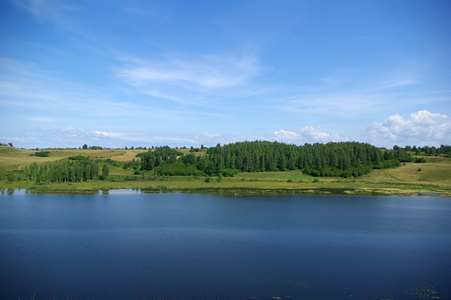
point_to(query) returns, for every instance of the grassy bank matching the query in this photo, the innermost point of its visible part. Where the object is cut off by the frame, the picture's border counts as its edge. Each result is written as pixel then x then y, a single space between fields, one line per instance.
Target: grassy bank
pixel 432 177
pixel 245 183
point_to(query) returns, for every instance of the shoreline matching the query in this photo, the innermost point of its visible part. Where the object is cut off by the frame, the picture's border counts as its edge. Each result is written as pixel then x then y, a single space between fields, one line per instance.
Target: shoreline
pixel 239 190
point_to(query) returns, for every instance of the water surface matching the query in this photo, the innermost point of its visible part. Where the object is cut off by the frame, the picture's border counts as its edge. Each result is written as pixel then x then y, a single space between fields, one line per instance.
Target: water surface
pixel 131 245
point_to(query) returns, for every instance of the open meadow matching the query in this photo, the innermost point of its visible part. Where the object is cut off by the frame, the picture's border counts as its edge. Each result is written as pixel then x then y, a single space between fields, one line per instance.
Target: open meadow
pixel 433 176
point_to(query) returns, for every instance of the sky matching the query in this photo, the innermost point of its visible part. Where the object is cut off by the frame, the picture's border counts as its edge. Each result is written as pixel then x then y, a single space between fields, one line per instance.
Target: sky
pixel 190 72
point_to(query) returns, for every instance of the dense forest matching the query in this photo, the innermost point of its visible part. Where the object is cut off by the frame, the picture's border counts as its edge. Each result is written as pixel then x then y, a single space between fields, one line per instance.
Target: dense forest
pixel 343 159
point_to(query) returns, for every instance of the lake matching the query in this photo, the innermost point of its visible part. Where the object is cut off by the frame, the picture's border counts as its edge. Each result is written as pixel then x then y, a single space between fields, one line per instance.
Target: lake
pixel 133 245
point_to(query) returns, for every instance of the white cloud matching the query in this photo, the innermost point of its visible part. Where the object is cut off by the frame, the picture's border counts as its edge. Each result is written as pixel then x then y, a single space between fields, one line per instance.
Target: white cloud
pixel 285 136
pixel 422 128
pixel 211 135
pixel 80 135
pixel 76 137
pixel 9 139
pixel 103 133
pixel 308 134
pixel 314 134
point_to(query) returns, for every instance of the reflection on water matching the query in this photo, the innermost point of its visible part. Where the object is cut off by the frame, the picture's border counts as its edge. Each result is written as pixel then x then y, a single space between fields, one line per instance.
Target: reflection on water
pixel 132 245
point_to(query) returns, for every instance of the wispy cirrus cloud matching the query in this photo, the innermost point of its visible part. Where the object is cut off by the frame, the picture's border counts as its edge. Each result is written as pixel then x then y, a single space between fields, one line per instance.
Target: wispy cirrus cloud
pixel 186 79
pixel 332 107
pixel 39 95
pixel 42 9
pixel 399 77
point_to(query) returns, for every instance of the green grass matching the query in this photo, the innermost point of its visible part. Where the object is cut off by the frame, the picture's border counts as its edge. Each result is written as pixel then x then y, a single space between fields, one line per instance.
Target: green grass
pixel 275 176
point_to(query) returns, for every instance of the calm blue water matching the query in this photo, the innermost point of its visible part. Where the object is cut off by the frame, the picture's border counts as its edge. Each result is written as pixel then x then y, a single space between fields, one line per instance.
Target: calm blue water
pixel 130 245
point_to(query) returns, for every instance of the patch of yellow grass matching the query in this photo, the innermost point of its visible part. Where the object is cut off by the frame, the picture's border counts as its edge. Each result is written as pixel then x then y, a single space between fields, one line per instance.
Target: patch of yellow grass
pixel 437 171
pixel 15 159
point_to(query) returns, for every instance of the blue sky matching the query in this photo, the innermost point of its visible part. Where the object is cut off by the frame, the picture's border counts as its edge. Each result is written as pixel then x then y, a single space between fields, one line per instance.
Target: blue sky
pixel 182 73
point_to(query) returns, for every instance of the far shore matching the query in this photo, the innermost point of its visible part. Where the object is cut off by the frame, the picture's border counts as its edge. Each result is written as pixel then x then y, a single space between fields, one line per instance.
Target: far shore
pixel 430 177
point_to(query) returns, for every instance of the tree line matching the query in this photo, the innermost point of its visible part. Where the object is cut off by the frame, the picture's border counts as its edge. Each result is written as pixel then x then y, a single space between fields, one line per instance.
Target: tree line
pixel 427 150
pixel 343 159
pixel 76 170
